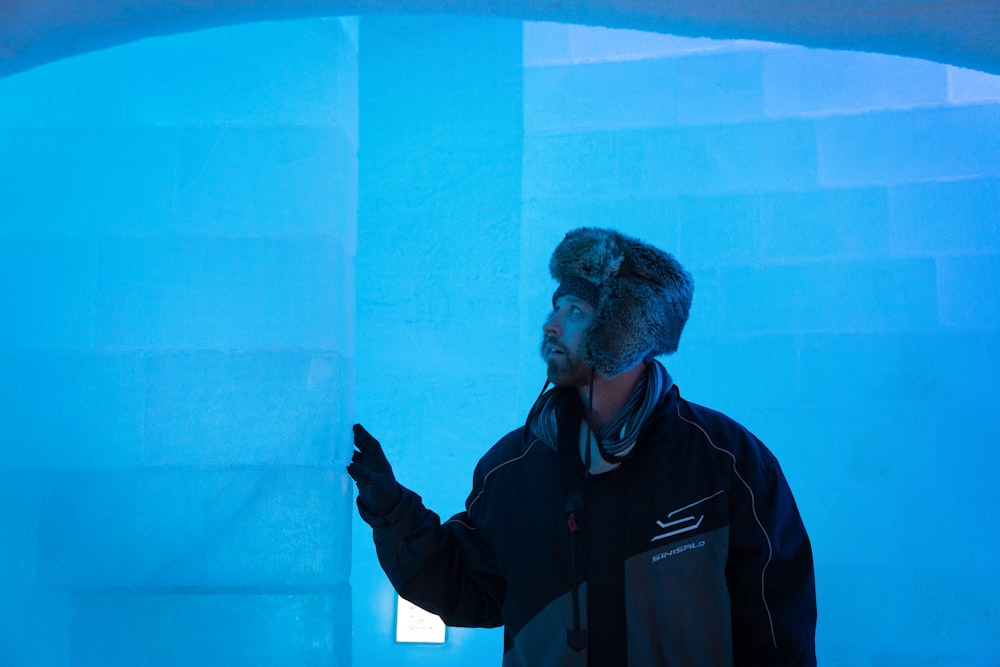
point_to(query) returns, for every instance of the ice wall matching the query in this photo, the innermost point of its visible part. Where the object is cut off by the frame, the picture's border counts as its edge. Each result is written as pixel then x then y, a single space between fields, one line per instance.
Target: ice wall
pixel 177 230
pixel 439 242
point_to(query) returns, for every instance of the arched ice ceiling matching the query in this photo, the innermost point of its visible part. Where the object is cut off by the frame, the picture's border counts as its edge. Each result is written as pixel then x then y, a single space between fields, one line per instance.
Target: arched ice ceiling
pixel 958 32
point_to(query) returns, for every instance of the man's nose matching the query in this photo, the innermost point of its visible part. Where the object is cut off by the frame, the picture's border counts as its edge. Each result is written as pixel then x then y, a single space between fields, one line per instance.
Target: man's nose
pixel 553 325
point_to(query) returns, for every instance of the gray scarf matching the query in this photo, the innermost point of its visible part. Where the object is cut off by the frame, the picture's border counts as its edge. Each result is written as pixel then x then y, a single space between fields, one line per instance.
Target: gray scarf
pixel 613 443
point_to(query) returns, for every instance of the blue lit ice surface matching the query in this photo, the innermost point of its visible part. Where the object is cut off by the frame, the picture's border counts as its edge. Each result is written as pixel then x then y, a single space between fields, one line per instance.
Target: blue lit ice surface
pixel 199 301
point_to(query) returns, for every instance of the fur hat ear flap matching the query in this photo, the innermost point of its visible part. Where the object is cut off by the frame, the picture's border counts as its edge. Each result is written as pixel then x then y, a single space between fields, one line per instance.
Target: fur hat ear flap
pixel 644 296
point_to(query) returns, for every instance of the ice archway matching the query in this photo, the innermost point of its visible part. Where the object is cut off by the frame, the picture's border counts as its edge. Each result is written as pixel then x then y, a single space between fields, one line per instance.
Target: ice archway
pixel 959 33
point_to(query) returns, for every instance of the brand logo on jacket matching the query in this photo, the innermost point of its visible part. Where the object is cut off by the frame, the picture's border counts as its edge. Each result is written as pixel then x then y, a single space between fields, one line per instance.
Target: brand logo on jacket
pixel 678 550
pixel 679 526
pixel 685 524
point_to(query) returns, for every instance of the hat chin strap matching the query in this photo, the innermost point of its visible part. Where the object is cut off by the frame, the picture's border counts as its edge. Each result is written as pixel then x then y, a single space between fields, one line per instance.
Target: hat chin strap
pixel 576 637
pixel 587 456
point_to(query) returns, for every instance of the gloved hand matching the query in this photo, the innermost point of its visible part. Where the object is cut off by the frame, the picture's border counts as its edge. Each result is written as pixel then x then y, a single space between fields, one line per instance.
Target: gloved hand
pixel 378 490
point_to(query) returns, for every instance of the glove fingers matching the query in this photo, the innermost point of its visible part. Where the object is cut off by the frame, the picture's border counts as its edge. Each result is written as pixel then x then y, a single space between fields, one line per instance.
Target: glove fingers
pixel 370 449
pixel 359 473
pixel 362 436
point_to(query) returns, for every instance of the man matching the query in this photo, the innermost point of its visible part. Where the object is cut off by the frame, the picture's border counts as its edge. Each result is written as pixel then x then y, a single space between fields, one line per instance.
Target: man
pixel 622 525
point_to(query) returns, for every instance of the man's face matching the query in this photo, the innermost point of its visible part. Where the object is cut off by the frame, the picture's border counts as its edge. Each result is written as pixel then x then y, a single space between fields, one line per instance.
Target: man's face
pixel 562 331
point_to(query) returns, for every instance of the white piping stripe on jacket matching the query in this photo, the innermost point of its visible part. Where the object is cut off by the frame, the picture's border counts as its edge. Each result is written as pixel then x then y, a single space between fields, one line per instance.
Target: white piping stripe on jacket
pixel 753 507
pixel 697 502
pixel 486 477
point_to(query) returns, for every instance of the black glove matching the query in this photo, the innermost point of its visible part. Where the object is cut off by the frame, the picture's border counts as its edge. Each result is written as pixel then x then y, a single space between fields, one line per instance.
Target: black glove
pixel 378 490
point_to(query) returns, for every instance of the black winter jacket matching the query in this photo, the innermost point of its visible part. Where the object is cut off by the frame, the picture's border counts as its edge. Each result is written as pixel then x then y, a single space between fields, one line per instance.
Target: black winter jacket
pixel 690 554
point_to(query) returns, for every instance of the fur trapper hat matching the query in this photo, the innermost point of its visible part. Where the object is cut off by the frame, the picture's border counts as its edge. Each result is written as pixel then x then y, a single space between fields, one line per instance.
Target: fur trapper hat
pixel 643 296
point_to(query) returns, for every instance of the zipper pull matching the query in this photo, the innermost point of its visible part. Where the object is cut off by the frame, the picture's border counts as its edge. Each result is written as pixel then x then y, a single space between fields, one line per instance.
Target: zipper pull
pixel 576 637
pixel 574 505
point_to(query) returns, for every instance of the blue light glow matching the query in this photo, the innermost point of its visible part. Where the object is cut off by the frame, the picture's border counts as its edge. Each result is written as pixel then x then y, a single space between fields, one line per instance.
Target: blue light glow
pixel 219 249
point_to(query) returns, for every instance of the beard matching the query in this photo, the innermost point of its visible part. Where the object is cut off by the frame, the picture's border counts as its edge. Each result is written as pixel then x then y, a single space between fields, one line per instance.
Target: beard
pixel 568 369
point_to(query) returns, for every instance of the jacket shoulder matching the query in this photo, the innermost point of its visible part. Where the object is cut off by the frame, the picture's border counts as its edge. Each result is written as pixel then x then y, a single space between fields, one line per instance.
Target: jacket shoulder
pixel 708 418
pixel 721 432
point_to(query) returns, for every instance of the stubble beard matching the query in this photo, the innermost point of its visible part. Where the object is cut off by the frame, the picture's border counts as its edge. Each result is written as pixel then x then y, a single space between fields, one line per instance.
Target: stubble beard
pixel 566 370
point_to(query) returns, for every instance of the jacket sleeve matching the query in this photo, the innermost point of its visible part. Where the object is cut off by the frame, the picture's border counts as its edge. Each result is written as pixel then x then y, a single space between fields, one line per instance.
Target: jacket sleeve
pixel 770 569
pixel 445 569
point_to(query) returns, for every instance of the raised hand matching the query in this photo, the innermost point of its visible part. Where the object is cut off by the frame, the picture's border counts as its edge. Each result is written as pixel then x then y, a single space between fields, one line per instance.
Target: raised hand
pixel 378 490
